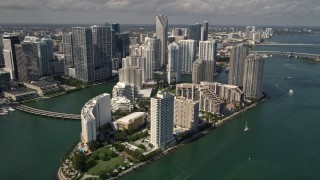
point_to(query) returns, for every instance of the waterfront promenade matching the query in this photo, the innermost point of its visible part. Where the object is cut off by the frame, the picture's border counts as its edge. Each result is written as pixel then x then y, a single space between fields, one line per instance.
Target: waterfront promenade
pixel 40 112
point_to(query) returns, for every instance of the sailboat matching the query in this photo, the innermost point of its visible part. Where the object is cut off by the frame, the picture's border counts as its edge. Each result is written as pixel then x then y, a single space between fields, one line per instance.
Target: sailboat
pixel 290 92
pixel 246 128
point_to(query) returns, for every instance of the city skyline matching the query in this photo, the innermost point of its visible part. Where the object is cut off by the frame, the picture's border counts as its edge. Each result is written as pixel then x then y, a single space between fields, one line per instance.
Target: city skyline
pixel 274 12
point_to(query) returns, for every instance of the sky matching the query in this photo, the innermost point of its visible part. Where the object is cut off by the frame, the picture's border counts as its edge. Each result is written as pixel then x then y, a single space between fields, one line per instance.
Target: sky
pixel 222 12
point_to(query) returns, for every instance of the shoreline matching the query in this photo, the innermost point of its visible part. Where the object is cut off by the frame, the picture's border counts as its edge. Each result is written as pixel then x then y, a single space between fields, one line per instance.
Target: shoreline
pixel 181 144
pixel 192 138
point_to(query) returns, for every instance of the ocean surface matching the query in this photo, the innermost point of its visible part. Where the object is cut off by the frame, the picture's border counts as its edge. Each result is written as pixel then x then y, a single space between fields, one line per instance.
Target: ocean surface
pixel 283 141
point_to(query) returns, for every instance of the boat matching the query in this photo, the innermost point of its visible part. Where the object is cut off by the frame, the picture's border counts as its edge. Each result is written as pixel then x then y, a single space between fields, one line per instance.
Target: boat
pixel 290 92
pixel 246 128
pixel 11 109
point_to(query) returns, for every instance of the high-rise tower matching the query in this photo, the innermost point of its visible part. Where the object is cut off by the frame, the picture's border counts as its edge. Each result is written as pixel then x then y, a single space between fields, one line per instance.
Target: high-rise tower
pixel 162 34
pixel 237 57
pixel 174 63
pixel 253 76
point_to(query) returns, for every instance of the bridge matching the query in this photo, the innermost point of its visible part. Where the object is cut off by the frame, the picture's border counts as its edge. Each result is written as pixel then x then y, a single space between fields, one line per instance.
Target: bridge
pixel 288 54
pixel 287 44
pixel 40 112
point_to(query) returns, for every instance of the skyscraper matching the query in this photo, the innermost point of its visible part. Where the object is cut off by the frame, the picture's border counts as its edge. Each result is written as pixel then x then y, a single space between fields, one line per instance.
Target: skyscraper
pixel 83 53
pixel 15 62
pixel 67 49
pixel 237 58
pixel 37 54
pixel 253 76
pixel 208 50
pixel 194 32
pixel 188 49
pixel 132 75
pixel 162 112
pixel 155 44
pixel 162 34
pixel 1 51
pixel 102 51
pixel 174 63
pixel 205 26
pixel 150 55
pixel 123 44
pixel 203 70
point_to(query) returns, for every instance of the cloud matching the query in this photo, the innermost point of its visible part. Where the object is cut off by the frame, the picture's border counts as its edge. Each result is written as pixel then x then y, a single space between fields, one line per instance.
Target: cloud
pixel 204 8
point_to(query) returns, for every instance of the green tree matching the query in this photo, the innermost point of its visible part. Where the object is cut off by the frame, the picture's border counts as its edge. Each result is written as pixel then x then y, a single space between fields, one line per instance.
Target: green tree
pixel 79 161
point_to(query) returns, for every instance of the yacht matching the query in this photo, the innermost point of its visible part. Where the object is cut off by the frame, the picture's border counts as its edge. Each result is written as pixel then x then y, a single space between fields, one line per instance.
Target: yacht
pixel 11 109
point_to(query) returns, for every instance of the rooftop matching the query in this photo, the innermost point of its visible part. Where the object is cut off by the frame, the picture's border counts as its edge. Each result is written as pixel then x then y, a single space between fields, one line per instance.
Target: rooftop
pixel 41 83
pixel 127 119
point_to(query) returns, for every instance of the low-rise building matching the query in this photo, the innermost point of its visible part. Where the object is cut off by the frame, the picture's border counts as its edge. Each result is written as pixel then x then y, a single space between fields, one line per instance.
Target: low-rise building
pixel 42 87
pixel 131 122
pixel 20 94
pixel 127 90
pixel 121 103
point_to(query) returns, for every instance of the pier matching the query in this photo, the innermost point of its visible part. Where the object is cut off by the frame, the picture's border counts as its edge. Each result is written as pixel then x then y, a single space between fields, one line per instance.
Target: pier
pixel 40 112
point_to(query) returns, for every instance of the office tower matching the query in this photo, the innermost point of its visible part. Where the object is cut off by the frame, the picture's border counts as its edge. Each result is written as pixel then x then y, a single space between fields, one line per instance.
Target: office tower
pixel 208 50
pixel 123 44
pixel 95 114
pixel 162 112
pixel 49 48
pixel 127 90
pixel 162 34
pixel 188 49
pixel 83 54
pixel 102 52
pixel 174 63
pixel 155 44
pixel 132 75
pixel 237 57
pixel 205 26
pixel 15 62
pixel 194 32
pixel 252 77
pixel 67 49
pixel 203 70
pixel 186 113
pixel 36 56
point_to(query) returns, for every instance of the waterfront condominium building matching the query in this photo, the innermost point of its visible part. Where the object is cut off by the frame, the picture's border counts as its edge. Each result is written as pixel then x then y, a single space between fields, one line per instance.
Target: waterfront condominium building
pixel 95 114
pixel 186 113
pixel 188 51
pixel 67 51
pixel 210 102
pixel 203 70
pixel 154 45
pixel 237 58
pixel 208 50
pixel 132 75
pixel 162 34
pixel 102 51
pixel 174 63
pixel 14 60
pixel 253 75
pixel 83 53
pixel 122 89
pixel 162 112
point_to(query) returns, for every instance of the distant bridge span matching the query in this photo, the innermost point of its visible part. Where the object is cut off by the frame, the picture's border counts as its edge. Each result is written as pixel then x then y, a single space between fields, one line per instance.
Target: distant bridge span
pixel 287 44
pixel 40 112
pixel 289 54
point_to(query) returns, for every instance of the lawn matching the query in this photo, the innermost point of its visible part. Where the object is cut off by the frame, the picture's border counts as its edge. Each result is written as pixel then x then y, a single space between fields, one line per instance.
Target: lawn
pixel 103 165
